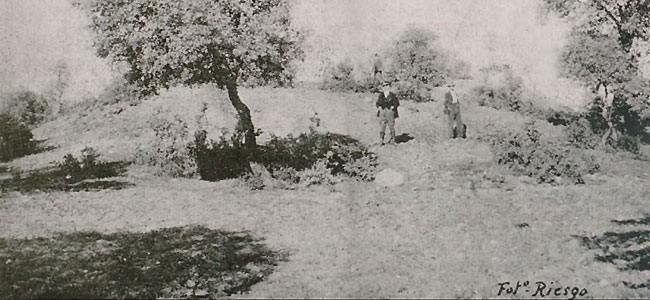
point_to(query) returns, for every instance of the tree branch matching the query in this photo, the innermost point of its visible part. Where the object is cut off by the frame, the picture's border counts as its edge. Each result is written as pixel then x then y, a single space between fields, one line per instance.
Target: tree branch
pixel 616 21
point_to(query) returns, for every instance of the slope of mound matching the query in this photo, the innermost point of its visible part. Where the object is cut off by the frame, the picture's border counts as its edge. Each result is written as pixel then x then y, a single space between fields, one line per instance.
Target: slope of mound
pixel 453 229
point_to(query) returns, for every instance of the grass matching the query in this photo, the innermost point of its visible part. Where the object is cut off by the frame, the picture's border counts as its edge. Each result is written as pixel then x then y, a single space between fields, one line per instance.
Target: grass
pixel 172 262
pixel 458 225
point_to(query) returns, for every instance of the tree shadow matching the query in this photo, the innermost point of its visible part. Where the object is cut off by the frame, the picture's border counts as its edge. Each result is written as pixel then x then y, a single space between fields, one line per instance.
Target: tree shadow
pixel 403 138
pixel 42 147
pixel 179 262
pixel 31 147
pixel 50 179
pixel 628 250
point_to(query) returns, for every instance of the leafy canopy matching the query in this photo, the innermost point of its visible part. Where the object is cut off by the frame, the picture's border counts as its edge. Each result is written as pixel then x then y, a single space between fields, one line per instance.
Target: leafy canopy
pixel 418 62
pixel 596 58
pixel 167 42
pixel 627 19
pixel 608 38
pixel 416 56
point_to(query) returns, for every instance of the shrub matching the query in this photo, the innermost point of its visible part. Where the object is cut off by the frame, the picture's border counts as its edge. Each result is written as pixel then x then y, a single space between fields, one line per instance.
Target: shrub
pixel 547 161
pixel 418 62
pixel 304 151
pixel 168 153
pixel 501 89
pixel 310 158
pixel 628 143
pixel 318 174
pixel 89 167
pixel 561 117
pixel 27 107
pixel 218 160
pixel 339 77
pixel 580 135
pixel 16 139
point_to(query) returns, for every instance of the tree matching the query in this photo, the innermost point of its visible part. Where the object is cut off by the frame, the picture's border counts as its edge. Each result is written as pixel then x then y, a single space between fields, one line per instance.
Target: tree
pixel 596 58
pixel 627 18
pixel 339 77
pixel 604 48
pixel 192 42
pixel 418 62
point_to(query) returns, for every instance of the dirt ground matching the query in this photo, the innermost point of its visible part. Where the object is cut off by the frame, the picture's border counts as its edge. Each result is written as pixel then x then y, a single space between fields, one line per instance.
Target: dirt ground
pixel 446 232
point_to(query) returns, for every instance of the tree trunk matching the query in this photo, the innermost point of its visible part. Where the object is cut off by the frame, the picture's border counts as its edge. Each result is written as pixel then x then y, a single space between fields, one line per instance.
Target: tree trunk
pixel 245 122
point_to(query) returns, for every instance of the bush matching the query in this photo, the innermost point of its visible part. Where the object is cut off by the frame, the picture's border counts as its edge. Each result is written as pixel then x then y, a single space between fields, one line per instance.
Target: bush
pixel 304 151
pixel 310 158
pixel 418 63
pixel 16 139
pixel 628 143
pixel 218 160
pixel 89 167
pixel 546 161
pixel 318 174
pixel 502 90
pixel 168 153
pixel 27 107
pixel 580 135
pixel 339 77
pixel 561 118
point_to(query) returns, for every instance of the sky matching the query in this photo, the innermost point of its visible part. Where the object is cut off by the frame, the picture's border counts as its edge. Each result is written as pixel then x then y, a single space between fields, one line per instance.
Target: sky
pixel 35 35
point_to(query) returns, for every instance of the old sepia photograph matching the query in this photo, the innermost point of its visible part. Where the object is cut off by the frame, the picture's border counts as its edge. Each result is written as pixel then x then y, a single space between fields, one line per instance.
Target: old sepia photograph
pixel 377 149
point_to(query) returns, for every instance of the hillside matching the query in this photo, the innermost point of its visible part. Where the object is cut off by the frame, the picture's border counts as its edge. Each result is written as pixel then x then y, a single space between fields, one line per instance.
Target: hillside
pixel 457 227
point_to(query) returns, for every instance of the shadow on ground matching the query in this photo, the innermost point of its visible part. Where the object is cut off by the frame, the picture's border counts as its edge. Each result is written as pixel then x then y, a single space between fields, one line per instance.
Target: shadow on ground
pixel 403 138
pixel 628 250
pixel 179 262
pixel 51 179
pixel 30 148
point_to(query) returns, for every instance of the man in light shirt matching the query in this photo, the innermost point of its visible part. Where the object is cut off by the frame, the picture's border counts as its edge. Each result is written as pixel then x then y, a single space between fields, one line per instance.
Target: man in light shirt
pixel 455 127
pixel 387 104
pixel 606 93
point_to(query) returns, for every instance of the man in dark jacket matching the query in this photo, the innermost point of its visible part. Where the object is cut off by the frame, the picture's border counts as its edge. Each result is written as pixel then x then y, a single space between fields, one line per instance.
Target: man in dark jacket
pixel 456 128
pixel 387 104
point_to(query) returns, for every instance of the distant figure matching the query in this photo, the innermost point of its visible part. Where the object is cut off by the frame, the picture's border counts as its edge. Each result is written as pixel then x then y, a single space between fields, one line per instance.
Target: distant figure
pixel 314 121
pixel 606 93
pixel 387 104
pixel 376 67
pixel 455 127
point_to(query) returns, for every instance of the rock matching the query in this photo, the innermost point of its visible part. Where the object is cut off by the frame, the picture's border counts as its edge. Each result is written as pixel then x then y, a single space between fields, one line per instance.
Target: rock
pixel 389 178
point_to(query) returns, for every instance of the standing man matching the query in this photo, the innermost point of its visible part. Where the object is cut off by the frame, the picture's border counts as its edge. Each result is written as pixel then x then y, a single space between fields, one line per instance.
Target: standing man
pixel 455 127
pixel 606 93
pixel 387 104
pixel 376 67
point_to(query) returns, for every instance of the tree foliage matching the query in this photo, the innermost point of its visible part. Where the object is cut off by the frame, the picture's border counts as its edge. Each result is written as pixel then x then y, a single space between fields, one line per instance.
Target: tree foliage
pixel 417 62
pixel 604 47
pixel 627 19
pixel 225 42
pixel 596 58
